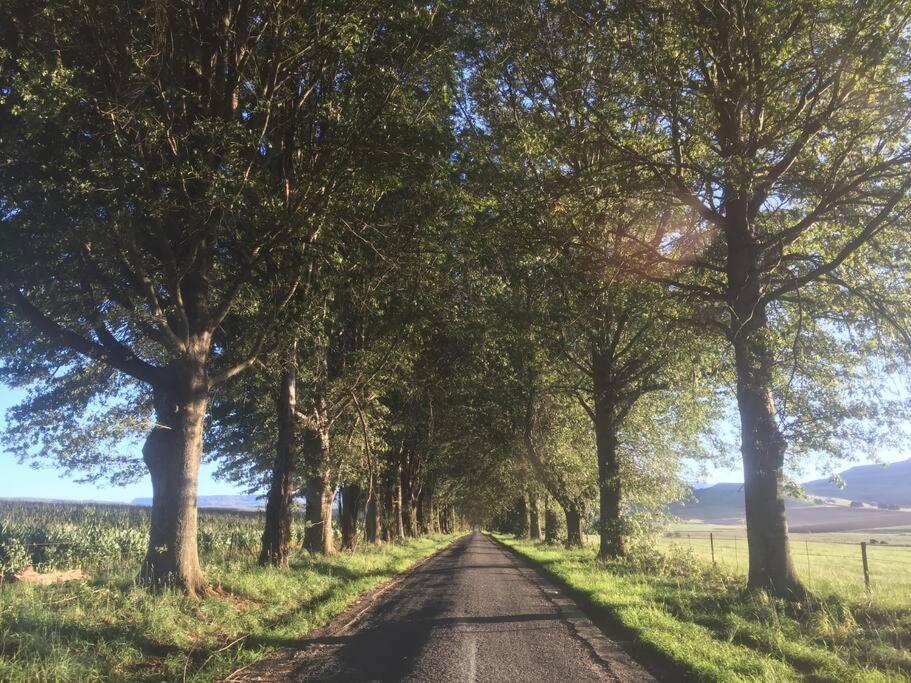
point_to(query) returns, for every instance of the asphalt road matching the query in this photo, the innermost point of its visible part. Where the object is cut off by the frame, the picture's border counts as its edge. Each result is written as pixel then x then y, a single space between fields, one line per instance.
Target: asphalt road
pixel 473 612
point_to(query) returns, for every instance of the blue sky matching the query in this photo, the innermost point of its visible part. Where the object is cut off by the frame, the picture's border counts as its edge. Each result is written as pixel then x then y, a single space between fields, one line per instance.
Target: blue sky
pixel 23 481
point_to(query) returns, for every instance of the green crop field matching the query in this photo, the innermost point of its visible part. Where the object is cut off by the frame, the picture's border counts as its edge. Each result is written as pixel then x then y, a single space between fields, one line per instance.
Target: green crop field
pixel 107 628
pixel 103 537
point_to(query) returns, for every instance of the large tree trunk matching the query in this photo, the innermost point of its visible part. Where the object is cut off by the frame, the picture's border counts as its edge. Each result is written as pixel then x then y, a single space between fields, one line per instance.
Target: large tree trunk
pixel 523 521
pixel 319 492
pixel 574 537
pixel 762 443
pixel 444 528
pixel 534 520
pixel 397 511
pixel 763 448
pixel 373 527
pixel 550 521
pixel 410 507
pixel 351 506
pixel 276 541
pixel 433 518
pixel 610 484
pixel 412 529
pixel 421 515
pixel 387 516
pixel 172 452
pixel 446 521
pixel 372 521
pixel 425 511
pixel 609 481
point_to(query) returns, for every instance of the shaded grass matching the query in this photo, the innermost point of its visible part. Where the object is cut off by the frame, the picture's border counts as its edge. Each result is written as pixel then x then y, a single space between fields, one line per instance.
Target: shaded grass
pixel 703 621
pixel 110 629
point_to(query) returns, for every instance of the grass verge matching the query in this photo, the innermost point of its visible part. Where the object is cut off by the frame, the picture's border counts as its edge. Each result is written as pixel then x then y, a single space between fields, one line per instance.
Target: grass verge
pixel 109 629
pixel 702 621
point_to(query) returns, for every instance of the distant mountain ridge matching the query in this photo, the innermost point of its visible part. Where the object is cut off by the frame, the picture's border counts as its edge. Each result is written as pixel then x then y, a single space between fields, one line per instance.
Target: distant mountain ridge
pixel 884 485
pixel 229 502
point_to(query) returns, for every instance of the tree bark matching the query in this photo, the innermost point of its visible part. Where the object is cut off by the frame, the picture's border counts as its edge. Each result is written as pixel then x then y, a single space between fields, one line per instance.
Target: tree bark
pixel 425 511
pixel 351 505
pixel 762 443
pixel 276 541
pixel 523 520
pixel 412 529
pixel 610 484
pixel 421 515
pixel 574 537
pixel 534 520
pixel 434 521
pixel 172 453
pixel 398 512
pixel 410 507
pixel 319 491
pixel 550 522
pixel 607 409
pixel 442 522
pixel 763 448
pixel 373 527
pixel 372 521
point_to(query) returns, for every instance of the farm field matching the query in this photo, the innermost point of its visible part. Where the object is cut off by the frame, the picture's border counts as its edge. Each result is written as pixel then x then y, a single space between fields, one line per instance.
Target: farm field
pixel 827 562
pixel 100 537
pixel 681 610
pixel 107 628
pixel 833 518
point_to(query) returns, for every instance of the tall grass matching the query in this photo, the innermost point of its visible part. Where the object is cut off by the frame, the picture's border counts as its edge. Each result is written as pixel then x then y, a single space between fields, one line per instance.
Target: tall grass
pixel 832 567
pixel 98 536
pixel 702 621
pixel 108 628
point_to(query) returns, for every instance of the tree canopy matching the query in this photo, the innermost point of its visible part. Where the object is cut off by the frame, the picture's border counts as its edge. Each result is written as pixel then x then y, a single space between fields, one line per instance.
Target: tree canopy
pixel 417 264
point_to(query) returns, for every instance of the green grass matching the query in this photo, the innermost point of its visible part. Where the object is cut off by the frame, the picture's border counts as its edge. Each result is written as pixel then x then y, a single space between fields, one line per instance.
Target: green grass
pixel 109 629
pixel 827 563
pixel 702 621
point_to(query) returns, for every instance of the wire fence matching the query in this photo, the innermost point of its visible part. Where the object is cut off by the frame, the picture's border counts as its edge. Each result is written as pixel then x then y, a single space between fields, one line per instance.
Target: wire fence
pixel 872 565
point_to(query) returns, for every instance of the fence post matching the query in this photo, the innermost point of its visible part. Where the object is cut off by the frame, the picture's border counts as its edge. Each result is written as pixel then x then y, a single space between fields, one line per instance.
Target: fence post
pixel 712 546
pixel 863 554
pixel 806 545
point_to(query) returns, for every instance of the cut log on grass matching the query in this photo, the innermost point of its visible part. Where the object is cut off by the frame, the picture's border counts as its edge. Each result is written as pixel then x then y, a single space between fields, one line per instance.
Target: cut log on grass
pixel 29 575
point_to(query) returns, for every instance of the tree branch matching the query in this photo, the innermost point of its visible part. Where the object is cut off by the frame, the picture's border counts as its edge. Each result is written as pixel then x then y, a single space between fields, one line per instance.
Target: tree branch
pixel 118 356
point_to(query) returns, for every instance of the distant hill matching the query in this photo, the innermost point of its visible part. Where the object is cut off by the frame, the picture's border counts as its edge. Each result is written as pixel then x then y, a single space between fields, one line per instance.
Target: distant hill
pixel 887 485
pixel 870 484
pixel 721 503
pixel 234 502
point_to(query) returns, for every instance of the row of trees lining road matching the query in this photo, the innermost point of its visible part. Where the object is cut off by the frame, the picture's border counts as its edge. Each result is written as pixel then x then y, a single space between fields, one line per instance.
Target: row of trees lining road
pixel 453 261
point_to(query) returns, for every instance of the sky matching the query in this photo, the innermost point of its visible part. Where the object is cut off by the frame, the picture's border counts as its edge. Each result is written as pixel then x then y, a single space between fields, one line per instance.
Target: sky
pixel 23 481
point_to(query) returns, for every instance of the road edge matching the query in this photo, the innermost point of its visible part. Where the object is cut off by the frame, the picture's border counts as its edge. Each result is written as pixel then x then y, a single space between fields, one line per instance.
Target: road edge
pixel 656 663
pixel 349 616
pixel 368 599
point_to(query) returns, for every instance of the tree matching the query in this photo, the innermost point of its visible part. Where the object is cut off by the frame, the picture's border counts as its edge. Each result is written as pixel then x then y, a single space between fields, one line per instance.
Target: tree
pixel 276 540
pixel 781 128
pixel 575 210
pixel 136 161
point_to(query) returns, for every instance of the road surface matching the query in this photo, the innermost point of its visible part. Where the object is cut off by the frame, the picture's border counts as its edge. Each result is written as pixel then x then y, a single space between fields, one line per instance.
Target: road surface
pixel 473 612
